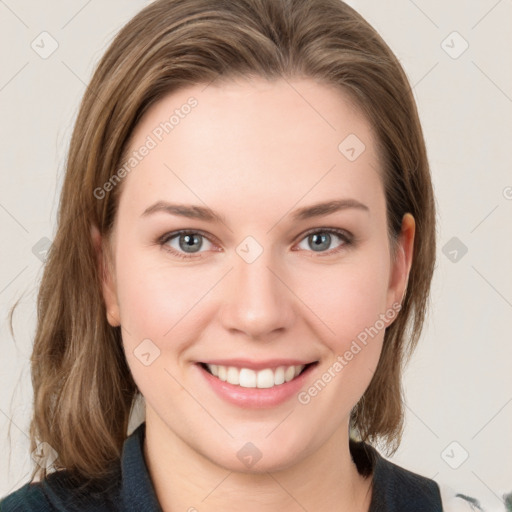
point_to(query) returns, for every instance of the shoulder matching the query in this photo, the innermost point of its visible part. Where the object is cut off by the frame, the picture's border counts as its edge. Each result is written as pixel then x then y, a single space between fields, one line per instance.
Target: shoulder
pixel 407 490
pixel 61 492
pixel 404 488
pixel 30 497
pixel 395 488
pixel 127 485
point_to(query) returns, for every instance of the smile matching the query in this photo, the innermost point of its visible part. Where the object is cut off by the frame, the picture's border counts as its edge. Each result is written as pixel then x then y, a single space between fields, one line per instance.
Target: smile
pixel 248 378
pixel 251 384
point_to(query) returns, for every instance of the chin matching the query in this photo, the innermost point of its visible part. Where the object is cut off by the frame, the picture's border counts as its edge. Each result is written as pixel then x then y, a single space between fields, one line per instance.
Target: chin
pixel 261 455
pixel 257 466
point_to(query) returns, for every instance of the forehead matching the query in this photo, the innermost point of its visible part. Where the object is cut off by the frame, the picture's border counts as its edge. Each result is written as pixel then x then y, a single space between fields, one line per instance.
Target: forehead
pixel 248 141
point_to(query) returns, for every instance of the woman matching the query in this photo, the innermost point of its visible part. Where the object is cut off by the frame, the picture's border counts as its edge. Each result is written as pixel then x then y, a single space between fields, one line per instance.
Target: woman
pixel 246 239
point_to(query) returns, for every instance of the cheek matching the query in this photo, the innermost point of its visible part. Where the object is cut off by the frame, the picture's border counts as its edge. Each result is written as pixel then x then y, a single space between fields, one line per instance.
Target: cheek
pixel 159 302
pixel 154 295
pixel 352 305
pixel 161 315
pixel 348 297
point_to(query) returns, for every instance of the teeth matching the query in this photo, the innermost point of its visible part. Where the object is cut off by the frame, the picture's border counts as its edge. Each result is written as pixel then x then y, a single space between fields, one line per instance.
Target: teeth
pixel 289 373
pixel 247 378
pixel 279 376
pixel 233 375
pixel 266 378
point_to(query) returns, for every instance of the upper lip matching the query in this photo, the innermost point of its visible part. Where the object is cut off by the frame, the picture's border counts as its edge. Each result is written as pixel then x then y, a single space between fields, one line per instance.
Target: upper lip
pixel 257 365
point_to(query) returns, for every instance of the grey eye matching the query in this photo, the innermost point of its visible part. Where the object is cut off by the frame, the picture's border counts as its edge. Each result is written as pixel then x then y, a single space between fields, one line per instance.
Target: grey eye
pixel 321 240
pixel 190 243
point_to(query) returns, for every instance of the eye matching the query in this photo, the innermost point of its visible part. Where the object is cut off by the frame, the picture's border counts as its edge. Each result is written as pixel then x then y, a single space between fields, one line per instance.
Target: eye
pixel 321 239
pixel 187 244
pixel 184 243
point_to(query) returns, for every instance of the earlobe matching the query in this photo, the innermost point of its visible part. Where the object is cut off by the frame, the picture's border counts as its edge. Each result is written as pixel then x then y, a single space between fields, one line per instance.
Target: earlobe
pixel 401 266
pixel 107 279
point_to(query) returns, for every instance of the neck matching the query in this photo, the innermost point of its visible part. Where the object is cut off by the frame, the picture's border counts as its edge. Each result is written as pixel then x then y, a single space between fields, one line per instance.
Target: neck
pixel 185 480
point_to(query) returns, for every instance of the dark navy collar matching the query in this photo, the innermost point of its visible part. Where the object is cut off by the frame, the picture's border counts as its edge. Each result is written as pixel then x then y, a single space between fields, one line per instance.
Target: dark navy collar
pixel 137 491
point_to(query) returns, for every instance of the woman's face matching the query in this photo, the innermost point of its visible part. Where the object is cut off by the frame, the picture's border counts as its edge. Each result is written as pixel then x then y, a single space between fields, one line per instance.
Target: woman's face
pixel 285 263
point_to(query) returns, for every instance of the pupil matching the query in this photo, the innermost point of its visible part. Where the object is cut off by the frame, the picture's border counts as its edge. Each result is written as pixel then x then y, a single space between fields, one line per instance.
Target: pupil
pixel 189 241
pixel 320 241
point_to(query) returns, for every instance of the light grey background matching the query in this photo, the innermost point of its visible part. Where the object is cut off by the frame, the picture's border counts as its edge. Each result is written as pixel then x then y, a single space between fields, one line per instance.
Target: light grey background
pixel 459 384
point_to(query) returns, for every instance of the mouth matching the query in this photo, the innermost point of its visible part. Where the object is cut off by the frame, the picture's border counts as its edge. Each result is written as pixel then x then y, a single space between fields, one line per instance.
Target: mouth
pixel 264 378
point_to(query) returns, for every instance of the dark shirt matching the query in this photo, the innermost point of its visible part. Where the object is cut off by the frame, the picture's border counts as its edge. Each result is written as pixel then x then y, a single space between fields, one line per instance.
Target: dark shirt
pixel 395 489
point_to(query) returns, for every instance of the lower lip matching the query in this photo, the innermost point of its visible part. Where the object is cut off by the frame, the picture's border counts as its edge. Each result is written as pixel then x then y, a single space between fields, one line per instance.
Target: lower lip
pixel 256 398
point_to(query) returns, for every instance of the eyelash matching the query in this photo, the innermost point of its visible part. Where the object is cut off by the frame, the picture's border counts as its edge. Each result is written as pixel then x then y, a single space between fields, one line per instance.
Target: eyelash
pixel 346 237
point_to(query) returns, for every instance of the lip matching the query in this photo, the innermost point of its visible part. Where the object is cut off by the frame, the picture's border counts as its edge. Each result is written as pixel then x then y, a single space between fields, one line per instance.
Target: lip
pixel 257 365
pixel 256 398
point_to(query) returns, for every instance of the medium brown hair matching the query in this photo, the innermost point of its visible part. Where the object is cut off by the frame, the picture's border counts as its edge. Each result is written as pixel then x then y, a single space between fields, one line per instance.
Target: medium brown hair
pixel 83 388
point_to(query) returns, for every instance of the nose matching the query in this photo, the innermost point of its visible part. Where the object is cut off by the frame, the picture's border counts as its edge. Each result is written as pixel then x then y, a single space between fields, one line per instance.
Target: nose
pixel 258 302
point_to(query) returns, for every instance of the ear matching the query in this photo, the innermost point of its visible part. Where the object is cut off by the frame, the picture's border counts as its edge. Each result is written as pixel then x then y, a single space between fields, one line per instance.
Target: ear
pixel 401 265
pixel 107 279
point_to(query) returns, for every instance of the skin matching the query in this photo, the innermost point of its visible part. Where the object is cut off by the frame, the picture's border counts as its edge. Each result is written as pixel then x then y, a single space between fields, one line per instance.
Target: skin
pixel 254 151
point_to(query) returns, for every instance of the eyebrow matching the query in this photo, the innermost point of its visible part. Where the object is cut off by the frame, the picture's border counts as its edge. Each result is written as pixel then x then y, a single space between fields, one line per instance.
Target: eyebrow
pixel 207 214
pixel 327 208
